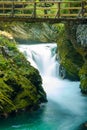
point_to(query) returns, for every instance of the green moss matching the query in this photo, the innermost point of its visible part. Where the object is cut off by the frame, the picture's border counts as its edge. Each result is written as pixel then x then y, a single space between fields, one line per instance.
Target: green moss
pixel 83 78
pixel 73 56
pixel 70 59
pixel 6 105
pixel 20 83
pixel 28 94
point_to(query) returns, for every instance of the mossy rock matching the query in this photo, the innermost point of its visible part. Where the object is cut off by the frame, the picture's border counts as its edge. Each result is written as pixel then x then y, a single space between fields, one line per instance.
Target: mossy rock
pixel 83 78
pixel 69 58
pixel 73 55
pixel 20 83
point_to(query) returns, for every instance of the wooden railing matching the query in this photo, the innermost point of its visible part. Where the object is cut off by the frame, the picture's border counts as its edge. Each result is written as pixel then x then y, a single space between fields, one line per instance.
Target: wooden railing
pixel 43 9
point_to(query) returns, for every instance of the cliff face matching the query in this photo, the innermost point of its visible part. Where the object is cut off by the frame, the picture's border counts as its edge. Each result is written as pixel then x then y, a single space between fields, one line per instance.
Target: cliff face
pixel 72 47
pixel 20 83
pixel 82 40
pixel 38 32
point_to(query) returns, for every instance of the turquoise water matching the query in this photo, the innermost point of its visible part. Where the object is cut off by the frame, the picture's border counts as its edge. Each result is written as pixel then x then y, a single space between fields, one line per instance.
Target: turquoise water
pixel 49 117
pixel 66 108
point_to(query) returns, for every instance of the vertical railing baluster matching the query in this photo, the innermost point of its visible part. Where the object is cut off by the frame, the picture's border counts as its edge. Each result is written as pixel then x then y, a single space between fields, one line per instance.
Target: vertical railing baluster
pixel 69 8
pixel 58 9
pixel 12 8
pixel 3 8
pixel 83 8
pixel 45 10
pixel 34 13
pixel 23 12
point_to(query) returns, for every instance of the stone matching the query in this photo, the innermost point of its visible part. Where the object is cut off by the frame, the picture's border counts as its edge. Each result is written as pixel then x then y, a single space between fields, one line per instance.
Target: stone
pixel 83 126
pixel 62 72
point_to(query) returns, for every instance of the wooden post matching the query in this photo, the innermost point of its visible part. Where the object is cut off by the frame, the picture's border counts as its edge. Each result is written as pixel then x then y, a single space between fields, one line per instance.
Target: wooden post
pixel 12 8
pixel 34 13
pixel 23 9
pixel 3 8
pixel 69 7
pixel 45 11
pixel 83 8
pixel 58 11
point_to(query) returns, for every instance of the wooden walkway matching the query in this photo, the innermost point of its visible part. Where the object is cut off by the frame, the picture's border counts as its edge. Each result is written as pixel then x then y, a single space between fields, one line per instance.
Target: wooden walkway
pixel 43 11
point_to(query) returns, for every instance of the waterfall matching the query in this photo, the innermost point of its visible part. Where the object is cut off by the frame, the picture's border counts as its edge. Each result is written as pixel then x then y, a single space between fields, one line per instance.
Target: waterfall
pixel 66 108
pixel 64 92
pixel 42 57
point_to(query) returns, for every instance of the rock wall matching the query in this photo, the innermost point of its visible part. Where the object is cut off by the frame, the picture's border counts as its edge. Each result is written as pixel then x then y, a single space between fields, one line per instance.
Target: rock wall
pixel 72 52
pixel 25 32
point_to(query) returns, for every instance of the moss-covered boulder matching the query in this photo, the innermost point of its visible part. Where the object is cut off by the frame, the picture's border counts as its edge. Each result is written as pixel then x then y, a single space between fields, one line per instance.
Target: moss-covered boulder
pixel 20 83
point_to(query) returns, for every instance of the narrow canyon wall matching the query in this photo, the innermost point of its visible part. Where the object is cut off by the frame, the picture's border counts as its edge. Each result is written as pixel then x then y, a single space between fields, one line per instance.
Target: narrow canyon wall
pixel 72 52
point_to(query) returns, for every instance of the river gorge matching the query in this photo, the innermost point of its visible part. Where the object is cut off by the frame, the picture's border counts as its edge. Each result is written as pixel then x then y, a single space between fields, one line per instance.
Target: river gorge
pixel 66 108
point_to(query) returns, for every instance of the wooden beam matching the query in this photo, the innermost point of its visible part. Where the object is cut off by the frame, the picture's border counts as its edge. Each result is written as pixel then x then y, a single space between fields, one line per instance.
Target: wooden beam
pixel 20 9
pixel 71 8
pixel 69 15
pixel 24 15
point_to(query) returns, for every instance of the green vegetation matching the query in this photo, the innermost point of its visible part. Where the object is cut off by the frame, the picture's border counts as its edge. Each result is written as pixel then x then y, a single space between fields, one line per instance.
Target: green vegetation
pixel 20 84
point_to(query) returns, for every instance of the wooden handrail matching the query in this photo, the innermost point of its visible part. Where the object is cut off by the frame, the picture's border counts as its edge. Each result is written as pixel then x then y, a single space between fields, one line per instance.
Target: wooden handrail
pixel 54 9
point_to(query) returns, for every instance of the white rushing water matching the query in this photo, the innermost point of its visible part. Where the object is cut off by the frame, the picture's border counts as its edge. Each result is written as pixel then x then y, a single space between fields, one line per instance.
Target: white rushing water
pixel 66 94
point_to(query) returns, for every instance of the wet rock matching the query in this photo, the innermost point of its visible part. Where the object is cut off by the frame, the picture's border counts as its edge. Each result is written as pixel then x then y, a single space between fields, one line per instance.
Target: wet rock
pixel 82 35
pixel 83 126
pixel 83 78
pixel 62 72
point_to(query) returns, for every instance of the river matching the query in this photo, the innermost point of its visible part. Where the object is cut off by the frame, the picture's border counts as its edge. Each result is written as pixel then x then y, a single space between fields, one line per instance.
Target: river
pixel 66 108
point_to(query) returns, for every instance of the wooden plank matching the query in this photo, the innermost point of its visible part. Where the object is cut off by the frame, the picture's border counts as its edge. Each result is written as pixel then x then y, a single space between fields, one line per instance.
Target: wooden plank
pixel 55 2
pixel 46 15
pixel 5 8
pixel 5 14
pixel 32 2
pixel 41 1
pixel 69 15
pixel 23 15
pixel 46 8
pixel 20 9
pixel 5 2
pixel 71 8
pixel 20 3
